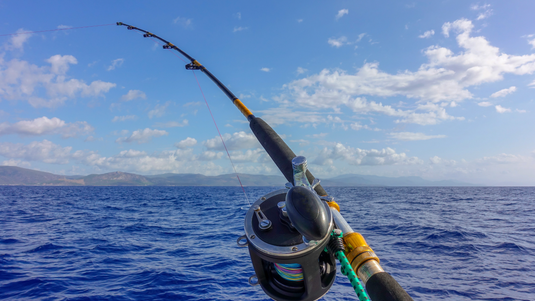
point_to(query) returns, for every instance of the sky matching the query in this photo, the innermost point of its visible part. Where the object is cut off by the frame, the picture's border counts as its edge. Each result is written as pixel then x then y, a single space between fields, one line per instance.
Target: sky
pixel 436 89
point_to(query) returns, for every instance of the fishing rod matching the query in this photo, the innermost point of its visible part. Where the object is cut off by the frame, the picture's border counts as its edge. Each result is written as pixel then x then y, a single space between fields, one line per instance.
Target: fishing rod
pixel 294 235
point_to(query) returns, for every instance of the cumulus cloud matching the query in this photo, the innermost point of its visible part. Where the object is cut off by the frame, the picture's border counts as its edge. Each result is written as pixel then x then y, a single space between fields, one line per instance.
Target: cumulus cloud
pixel 337 42
pixel 46 126
pixel 265 69
pixel 250 155
pixel 237 29
pixel 236 141
pixel 503 92
pixel 436 160
pixel 142 136
pixel 427 34
pixel 501 109
pixel 408 136
pixel 531 40
pixel 17 41
pixel 209 156
pixel 502 159
pixel 484 104
pixel 13 162
pixel 341 13
pixel 115 63
pixel 172 124
pixel 20 80
pixel 133 94
pixel 184 22
pixel 444 79
pixel 44 151
pixel 60 63
pixel 186 143
pixel 124 118
pixel 485 11
pixel 159 110
pixel 301 70
pixel 357 156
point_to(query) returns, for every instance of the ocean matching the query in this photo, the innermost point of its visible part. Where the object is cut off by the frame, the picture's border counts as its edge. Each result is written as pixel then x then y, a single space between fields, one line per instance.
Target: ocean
pixel 179 243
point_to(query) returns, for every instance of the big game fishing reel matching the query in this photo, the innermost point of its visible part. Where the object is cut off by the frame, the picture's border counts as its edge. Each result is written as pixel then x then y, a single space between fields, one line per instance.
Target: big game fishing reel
pixel 287 232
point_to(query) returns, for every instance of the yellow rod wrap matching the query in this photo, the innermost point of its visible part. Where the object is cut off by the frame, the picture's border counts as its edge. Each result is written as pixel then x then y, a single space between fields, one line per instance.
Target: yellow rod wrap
pixel 196 63
pixel 354 240
pixel 334 205
pixel 243 109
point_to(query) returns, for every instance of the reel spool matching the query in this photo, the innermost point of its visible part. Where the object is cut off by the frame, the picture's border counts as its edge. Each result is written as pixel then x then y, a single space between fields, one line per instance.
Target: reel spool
pixel 287 234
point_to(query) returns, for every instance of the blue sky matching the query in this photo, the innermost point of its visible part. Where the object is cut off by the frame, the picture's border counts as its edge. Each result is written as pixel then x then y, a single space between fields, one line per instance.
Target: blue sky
pixel 437 89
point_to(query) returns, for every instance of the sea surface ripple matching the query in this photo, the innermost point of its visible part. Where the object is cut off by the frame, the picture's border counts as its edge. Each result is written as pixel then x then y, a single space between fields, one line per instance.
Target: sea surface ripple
pixel 179 243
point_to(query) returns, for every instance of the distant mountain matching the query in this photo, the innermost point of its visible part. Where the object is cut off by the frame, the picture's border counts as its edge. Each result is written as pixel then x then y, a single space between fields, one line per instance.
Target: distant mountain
pixel 11 175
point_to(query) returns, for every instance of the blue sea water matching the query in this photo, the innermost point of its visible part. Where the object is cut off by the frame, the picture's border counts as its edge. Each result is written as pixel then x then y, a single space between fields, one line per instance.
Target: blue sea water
pixel 179 243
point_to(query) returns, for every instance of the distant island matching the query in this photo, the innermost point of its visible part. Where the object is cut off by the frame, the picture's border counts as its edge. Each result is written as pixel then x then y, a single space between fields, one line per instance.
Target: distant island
pixel 12 175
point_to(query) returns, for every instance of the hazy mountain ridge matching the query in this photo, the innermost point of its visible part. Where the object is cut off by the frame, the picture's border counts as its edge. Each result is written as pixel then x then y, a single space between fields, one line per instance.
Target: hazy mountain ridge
pixel 11 175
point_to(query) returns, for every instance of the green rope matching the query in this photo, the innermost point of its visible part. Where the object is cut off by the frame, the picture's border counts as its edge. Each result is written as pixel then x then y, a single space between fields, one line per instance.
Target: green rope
pixel 347 270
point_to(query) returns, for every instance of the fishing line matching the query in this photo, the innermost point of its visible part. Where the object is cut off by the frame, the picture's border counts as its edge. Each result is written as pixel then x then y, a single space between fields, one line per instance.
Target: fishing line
pixel 58 29
pixel 213 119
pixel 220 136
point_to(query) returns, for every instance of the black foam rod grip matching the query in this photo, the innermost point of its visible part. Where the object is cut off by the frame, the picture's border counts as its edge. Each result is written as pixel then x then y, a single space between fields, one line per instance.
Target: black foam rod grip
pixel 277 149
pixel 383 287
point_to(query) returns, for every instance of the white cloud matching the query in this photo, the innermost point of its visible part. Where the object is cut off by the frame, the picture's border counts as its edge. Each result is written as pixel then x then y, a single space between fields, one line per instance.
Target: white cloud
pixel 209 156
pixel 115 63
pixel 503 92
pixel 299 20
pixel 531 40
pixel 159 110
pixel 341 13
pixel 301 70
pixel 192 104
pixel 532 84
pixel 238 15
pixel 46 126
pixel 236 141
pixel 437 160
pixel 427 34
pixel 265 69
pixel 184 22
pixel 254 155
pixel 236 29
pixel 501 109
pixel 446 77
pixel 502 159
pixel 142 136
pixel 484 104
pixel 341 41
pixel 60 63
pixel 20 80
pixel 172 124
pixel 357 156
pixel 487 11
pixel 133 94
pixel 44 151
pixel 408 136
pixel 124 118
pixel 186 143
pixel 362 35
pixel 17 41
pixel 521 111
pixel 13 162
